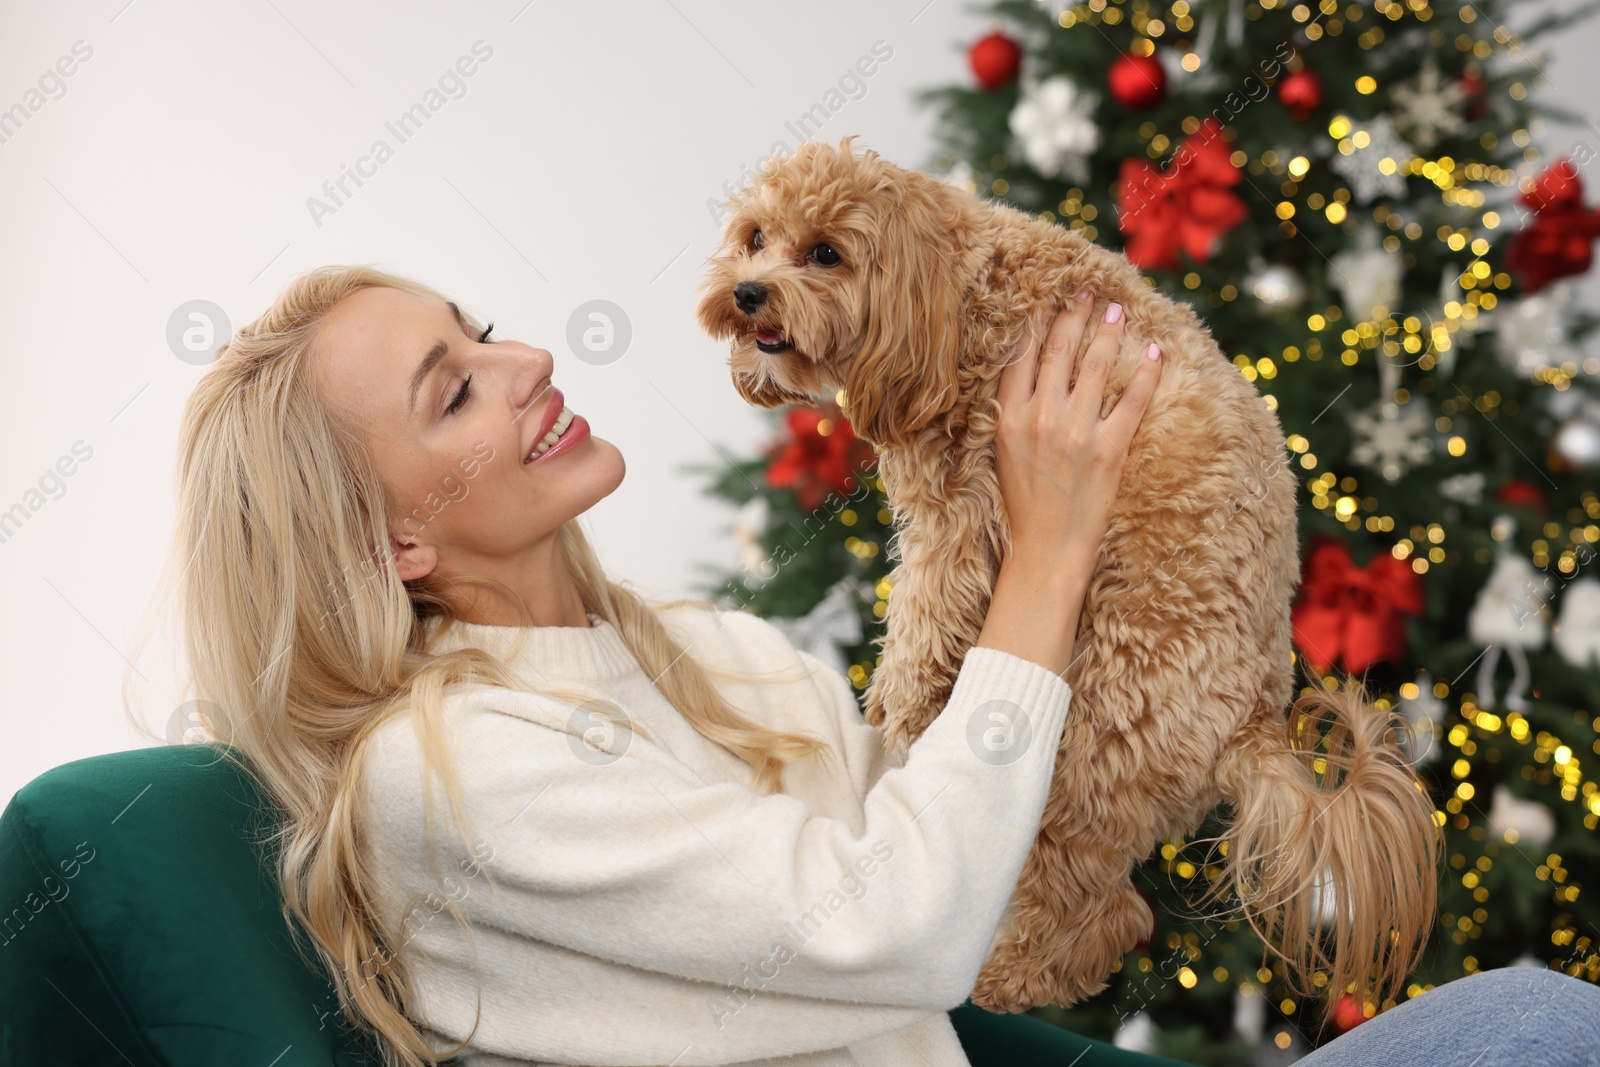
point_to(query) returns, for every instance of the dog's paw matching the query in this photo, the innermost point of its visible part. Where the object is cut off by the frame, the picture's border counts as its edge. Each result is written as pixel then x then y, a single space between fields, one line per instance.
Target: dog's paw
pixel 1012 982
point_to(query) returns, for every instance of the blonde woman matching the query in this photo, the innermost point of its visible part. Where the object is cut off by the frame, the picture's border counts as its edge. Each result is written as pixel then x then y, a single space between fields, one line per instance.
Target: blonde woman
pixel 660 832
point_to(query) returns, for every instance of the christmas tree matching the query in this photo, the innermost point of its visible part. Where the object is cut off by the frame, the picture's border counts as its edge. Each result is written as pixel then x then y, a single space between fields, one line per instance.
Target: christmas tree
pixel 1348 196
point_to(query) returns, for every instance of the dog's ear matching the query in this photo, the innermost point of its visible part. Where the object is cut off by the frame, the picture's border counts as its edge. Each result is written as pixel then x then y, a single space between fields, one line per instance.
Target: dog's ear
pixel 904 372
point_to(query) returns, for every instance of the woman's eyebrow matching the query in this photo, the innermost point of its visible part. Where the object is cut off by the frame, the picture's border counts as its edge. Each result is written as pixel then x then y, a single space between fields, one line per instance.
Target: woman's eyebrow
pixel 439 350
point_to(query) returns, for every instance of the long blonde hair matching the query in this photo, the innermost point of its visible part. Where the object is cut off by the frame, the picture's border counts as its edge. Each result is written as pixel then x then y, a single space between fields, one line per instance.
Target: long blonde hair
pixel 299 632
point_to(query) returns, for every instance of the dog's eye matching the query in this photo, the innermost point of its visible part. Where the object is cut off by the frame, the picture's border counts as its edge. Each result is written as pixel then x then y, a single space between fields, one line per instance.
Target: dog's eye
pixel 825 255
pixel 755 241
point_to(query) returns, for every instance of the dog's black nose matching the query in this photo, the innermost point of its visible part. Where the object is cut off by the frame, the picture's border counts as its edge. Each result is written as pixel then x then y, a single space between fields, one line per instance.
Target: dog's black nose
pixel 749 296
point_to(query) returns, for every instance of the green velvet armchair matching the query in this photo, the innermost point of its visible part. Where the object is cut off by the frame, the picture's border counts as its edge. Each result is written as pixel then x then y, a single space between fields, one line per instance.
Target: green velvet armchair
pixel 141 926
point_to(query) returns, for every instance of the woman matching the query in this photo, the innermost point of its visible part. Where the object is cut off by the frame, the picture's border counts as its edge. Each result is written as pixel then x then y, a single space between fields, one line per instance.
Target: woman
pixel 392 603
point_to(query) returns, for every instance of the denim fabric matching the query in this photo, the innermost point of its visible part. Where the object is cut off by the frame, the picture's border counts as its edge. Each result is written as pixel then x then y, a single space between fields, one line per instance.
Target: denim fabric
pixel 1518 1016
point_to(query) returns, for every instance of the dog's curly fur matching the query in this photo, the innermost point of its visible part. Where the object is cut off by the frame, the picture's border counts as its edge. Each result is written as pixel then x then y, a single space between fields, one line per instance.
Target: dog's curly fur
pixel 1184 664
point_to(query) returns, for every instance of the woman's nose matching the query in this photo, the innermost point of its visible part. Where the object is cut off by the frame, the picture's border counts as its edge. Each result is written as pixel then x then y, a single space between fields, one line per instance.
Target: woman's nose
pixel 534 375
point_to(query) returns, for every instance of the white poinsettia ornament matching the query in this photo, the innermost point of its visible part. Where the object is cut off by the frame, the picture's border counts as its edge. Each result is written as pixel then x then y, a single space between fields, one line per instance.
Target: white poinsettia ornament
pixel 1053 124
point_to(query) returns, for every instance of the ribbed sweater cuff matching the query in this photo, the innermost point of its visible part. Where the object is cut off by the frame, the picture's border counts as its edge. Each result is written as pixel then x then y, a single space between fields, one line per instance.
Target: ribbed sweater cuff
pixel 989 670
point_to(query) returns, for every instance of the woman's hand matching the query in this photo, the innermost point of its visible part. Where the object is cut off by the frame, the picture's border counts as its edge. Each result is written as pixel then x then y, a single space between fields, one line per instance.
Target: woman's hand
pixel 1059 464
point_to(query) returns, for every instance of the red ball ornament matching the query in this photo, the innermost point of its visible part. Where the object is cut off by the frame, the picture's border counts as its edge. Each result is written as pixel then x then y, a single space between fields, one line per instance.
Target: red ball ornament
pixel 1348 1013
pixel 1477 100
pixel 1137 82
pixel 1523 493
pixel 995 60
pixel 1301 92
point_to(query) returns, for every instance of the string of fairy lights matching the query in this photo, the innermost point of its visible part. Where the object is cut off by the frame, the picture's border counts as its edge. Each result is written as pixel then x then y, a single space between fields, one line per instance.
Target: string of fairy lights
pixel 1477 734
pixel 1555 760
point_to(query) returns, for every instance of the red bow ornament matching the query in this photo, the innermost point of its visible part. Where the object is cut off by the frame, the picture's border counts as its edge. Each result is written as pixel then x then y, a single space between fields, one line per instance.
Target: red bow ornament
pixel 1556 243
pixel 1353 613
pixel 1188 207
pixel 822 454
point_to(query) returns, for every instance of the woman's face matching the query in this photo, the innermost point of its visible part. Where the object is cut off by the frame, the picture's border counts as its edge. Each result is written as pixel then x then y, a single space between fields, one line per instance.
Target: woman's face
pixel 465 501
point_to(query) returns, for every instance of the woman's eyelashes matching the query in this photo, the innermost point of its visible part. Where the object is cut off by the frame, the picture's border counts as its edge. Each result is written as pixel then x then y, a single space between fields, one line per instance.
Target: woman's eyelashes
pixel 460 397
pixel 466 384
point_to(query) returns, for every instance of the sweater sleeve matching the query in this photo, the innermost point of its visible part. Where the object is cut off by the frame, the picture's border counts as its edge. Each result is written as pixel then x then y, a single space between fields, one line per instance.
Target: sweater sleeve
pixel 860 744
pixel 631 858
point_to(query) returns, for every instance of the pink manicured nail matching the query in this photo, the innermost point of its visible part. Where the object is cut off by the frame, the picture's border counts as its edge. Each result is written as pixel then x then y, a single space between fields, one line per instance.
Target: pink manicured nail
pixel 1086 295
pixel 1114 313
pixel 1153 352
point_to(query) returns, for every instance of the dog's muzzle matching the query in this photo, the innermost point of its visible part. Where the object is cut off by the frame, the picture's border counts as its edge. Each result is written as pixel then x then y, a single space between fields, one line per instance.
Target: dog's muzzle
pixel 749 296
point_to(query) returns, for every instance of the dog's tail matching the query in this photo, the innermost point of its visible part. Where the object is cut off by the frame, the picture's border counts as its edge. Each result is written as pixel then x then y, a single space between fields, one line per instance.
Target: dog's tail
pixel 1333 848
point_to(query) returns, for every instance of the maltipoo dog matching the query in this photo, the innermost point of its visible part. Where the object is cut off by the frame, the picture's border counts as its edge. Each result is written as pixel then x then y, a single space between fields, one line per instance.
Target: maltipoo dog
pixel 844 270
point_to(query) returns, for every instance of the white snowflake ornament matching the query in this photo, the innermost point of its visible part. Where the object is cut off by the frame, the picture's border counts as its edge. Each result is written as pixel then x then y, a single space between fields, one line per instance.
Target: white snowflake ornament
pixel 1463 488
pixel 1392 438
pixel 832 625
pixel 1530 334
pixel 1429 107
pixel 1053 124
pixel 1364 168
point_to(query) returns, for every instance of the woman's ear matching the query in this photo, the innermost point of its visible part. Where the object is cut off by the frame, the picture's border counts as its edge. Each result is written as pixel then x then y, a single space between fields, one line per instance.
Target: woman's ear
pixel 413 559
pixel 903 375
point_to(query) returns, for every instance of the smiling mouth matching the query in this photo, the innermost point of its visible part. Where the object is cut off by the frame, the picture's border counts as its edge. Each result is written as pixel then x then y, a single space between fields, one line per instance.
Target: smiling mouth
pixel 772 341
pixel 548 441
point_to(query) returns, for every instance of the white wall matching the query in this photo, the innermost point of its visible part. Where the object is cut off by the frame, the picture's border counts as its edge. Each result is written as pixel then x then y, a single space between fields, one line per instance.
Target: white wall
pixel 177 166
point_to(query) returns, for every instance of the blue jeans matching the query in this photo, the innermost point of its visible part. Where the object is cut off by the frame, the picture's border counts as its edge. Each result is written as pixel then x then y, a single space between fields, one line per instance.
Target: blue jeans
pixel 1508 1016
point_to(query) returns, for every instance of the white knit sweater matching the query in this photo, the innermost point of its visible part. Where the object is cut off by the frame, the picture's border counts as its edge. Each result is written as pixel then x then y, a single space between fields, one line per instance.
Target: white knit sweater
pixel 637 902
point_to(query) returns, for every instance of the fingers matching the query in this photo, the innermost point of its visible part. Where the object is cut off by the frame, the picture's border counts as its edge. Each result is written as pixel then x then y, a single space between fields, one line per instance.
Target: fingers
pixel 1088 393
pixel 1061 346
pixel 1130 408
pixel 1016 377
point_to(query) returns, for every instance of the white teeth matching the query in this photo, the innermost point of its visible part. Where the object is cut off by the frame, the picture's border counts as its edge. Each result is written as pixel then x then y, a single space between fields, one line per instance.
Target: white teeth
pixel 563 420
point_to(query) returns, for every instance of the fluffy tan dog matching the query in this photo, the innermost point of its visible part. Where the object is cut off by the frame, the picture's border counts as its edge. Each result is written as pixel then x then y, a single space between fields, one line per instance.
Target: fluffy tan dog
pixel 844 270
